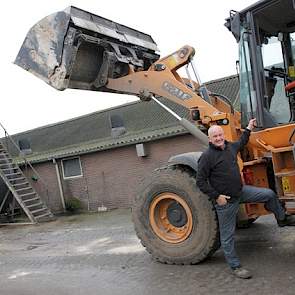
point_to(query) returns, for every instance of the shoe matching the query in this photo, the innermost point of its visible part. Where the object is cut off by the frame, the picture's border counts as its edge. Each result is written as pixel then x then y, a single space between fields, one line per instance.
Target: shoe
pixel 242 273
pixel 288 221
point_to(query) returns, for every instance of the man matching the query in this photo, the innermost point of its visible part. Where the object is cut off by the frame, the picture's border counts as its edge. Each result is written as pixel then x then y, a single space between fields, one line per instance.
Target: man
pixel 219 177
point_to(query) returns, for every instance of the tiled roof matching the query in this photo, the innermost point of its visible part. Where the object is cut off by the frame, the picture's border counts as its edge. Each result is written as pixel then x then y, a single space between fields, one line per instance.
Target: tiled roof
pixel 100 145
pixel 144 121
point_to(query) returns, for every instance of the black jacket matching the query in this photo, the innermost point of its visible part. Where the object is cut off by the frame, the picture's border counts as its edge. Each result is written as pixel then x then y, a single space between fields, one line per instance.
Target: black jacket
pixel 218 170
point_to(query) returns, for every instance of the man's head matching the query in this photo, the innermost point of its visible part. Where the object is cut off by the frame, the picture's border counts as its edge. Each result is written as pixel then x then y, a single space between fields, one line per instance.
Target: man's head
pixel 216 136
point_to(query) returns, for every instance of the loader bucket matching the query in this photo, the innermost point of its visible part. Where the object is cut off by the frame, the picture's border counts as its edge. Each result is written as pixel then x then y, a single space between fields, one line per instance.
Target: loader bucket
pixel 77 49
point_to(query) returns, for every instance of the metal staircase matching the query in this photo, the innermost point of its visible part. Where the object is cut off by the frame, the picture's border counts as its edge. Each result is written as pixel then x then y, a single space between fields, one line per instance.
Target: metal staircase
pixel 21 189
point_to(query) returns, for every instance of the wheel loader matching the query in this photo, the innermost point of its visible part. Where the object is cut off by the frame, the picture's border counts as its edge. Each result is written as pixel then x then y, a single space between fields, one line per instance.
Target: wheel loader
pixel 173 219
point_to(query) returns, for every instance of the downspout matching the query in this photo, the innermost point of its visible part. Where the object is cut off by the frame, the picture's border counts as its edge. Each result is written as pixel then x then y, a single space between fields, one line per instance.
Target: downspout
pixel 59 185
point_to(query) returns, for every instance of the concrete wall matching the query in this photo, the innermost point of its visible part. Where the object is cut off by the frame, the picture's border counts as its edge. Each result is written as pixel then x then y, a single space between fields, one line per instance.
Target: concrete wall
pixel 110 178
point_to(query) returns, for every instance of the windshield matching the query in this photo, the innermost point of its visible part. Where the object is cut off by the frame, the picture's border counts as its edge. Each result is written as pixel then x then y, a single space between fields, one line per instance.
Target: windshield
pixel 275 69
pixel 276 76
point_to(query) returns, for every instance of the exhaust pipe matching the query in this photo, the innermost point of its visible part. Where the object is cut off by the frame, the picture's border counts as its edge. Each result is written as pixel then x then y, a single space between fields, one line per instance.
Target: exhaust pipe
pixel 77 49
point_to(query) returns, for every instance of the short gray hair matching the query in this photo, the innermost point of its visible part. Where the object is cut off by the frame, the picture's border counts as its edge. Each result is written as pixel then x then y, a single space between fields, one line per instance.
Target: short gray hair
pixel 214 128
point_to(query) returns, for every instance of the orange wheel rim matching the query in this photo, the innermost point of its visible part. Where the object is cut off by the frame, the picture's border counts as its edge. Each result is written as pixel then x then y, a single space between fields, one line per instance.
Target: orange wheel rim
pixel 170 218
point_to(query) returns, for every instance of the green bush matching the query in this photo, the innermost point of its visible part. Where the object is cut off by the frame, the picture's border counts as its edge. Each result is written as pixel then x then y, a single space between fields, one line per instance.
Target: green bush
pixel 73 204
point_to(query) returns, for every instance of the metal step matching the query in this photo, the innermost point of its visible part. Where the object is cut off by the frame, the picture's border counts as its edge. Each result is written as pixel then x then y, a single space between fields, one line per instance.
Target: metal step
pixel 11 168
pixel 22 183
pixel 30 200
pixel 10 171
pixel 23 188
pixel 27 194
pixel 15 179
pixel 48 214
pixel 285 173
pixel 4 164
pixel 34 205
pixel 13 174
pixel 38 210
pixel 5 159
pixel 287 199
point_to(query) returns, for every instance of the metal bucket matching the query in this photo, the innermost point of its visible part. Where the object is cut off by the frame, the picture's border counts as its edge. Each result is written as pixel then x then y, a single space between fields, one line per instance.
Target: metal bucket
pixel 77 49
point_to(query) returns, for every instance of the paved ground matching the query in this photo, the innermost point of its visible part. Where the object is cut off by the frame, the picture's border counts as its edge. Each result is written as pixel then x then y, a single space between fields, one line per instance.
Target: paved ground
pixel 100 254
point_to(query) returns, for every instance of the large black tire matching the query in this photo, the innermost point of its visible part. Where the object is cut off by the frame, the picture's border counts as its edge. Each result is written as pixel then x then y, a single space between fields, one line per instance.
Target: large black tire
pixel 200 242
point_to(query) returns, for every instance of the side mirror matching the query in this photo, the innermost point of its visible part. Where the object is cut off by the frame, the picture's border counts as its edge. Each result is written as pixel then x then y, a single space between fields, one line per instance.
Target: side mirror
pixel 238 68
pixel 281 37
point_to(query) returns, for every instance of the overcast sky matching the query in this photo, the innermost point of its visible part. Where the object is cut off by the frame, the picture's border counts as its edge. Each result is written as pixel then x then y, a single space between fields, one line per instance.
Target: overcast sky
pixel 28 103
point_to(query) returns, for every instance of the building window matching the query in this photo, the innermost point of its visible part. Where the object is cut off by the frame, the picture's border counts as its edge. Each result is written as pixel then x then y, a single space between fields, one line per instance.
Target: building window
pixel 117 125
pixel 71 168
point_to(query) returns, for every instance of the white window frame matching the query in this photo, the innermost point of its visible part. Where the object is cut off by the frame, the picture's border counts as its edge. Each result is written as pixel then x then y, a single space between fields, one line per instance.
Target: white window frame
pixel 71 177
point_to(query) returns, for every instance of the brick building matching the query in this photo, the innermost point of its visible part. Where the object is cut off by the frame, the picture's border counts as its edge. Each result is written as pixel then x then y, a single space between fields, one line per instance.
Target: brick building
pixel 100 158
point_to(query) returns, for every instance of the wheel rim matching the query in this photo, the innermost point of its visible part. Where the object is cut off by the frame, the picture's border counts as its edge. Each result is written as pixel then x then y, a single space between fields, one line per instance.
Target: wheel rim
pixel 170 218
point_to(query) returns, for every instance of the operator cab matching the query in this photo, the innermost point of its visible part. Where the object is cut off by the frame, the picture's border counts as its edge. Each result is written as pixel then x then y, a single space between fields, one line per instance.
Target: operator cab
pixel 266 35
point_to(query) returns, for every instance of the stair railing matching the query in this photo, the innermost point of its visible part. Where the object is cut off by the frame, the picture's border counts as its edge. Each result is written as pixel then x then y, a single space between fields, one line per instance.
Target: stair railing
pixel 27 163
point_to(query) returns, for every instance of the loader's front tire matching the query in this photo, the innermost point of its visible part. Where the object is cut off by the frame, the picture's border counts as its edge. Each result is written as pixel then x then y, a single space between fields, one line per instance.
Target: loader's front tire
pixel 175 221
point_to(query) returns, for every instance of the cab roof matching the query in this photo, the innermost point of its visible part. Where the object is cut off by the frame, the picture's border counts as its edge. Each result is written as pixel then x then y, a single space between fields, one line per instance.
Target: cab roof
pixel 272 16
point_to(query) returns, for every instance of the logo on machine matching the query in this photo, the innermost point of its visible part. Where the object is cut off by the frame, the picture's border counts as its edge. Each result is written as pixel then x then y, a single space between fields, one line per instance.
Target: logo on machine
pixel 173 90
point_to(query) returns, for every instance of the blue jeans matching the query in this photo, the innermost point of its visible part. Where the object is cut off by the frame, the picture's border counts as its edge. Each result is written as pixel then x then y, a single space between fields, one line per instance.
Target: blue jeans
pixel 227 215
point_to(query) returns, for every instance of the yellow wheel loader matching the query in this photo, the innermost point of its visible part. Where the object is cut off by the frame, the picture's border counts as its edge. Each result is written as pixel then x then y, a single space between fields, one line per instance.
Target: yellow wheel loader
pixel 175 221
